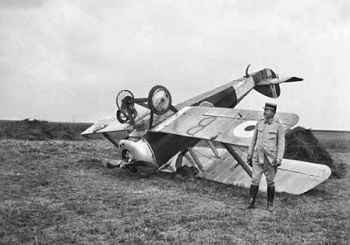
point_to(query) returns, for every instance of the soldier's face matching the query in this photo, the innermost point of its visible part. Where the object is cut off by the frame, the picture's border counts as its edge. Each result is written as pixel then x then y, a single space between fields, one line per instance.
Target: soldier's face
pixel 268 113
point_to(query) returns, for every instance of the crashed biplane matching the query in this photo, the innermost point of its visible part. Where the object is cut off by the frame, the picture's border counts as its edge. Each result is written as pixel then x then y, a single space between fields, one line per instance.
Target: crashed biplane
pixel 167 135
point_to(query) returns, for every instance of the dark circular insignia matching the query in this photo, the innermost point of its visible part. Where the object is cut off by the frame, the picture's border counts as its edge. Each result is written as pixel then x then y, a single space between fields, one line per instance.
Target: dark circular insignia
pixel 249 128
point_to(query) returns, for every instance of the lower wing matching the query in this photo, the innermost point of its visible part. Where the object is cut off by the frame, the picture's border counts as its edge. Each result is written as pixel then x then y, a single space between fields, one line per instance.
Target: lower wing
pixel 293 177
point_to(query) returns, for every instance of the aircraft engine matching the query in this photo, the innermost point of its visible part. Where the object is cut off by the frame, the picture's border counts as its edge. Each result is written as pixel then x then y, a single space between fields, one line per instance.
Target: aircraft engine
pixel 137 157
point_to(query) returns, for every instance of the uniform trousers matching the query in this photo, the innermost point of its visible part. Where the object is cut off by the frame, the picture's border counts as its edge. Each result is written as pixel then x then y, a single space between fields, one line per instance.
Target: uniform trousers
pixel 267 168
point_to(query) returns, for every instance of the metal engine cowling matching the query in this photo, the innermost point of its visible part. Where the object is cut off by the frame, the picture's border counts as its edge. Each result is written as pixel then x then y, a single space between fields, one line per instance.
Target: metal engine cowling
pixel 137 156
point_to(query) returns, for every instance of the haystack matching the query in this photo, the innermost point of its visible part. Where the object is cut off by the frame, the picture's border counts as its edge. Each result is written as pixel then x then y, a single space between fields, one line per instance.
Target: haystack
pixel 302 145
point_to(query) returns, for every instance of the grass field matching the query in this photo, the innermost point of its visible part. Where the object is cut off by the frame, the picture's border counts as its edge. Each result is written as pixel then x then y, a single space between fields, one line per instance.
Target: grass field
pixel 331 139
pixel 57 192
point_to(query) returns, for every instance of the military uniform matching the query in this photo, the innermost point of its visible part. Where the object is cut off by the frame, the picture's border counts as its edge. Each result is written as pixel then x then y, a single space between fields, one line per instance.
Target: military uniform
pixel 265 154
pixel 267 148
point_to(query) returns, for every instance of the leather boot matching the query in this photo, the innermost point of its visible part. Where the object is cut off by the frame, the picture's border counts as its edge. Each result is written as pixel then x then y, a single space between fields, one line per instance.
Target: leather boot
pixel 270 197
pixel 253 191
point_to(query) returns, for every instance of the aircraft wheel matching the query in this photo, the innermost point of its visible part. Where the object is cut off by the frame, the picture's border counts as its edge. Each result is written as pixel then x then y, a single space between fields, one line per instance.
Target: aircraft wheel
pixel 122 118
pixel 159 100
pixel 124 100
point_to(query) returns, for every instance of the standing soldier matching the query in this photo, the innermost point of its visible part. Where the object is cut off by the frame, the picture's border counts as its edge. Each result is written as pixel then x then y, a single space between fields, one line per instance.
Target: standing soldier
pixel 265 154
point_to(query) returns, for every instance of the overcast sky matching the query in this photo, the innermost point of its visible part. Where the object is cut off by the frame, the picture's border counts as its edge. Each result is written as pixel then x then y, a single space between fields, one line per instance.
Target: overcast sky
pixel 66 60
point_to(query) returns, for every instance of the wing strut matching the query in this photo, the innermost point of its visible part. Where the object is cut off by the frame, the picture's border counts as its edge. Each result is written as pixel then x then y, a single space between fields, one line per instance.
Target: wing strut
pixel 212 147
pixel 195 158
pixel 178 163
pixel 238 159
pixel 107 136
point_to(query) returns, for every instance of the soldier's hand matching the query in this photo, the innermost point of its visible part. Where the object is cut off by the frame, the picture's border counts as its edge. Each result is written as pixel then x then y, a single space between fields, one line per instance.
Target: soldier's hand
pixel 278 162
pixel 249 160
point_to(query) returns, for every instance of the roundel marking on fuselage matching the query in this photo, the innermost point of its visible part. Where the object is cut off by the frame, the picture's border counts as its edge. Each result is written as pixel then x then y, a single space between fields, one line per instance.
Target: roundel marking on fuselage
pixel 245 129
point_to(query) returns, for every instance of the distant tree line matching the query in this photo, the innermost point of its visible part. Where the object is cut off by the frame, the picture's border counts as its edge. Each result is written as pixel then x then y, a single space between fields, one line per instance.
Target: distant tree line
pixel 42 130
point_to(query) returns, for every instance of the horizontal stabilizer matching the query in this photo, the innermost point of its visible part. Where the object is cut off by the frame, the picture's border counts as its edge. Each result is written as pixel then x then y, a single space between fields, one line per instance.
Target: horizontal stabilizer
pixel 271 81
pixel 270 86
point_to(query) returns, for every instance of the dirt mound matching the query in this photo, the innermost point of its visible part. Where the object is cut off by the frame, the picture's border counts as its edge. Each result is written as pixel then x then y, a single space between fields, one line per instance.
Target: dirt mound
pixel 302 145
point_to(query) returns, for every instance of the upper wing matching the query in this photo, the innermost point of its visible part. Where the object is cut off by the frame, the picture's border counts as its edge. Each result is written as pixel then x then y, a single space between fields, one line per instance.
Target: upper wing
pixel 232 126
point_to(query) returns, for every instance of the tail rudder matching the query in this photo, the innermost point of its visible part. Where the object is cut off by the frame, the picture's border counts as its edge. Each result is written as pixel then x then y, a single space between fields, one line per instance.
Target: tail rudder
pixel 267 82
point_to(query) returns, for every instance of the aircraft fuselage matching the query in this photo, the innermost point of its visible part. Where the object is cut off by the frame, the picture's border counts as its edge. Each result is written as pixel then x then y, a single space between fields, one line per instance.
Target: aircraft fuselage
pixel 165 146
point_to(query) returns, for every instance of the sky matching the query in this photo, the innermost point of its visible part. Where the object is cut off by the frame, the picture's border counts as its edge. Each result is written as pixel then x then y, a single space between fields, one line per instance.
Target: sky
pixel 65 60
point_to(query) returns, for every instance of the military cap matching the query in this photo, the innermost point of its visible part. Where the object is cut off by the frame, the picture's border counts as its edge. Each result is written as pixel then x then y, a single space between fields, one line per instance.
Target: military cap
pixel 270 106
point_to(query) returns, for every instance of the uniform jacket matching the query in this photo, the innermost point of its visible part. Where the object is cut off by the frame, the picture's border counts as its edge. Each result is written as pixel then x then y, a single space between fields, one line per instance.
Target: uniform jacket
pixel 268 139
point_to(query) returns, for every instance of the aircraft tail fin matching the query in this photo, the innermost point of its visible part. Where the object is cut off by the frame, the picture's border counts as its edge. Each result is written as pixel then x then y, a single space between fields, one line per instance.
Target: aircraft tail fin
pixel 267 82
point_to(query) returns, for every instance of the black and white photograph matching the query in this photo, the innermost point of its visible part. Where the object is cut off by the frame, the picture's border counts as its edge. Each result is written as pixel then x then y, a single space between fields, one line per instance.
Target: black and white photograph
pixel 174 122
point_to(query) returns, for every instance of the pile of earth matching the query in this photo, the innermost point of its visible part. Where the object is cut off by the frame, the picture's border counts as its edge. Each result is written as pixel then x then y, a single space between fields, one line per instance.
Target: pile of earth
pixel 302 145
